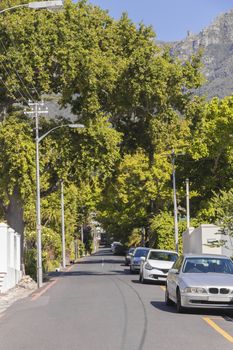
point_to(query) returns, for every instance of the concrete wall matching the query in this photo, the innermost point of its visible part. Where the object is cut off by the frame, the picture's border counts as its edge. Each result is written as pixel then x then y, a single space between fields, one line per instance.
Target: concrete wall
pixel 9 258
pixel 198 241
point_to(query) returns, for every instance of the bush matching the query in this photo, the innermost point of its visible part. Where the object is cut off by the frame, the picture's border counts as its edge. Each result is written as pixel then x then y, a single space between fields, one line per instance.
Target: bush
pixel 30 260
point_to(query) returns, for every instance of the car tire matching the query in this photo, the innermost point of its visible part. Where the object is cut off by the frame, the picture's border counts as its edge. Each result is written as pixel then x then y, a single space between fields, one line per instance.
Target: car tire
pixel 143 281
pixel 168 301
pixel 131 270
pixel 179 307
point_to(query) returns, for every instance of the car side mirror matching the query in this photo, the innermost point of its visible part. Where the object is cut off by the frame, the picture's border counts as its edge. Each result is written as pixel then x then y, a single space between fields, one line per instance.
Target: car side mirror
pixel 143 258
pixel 175 271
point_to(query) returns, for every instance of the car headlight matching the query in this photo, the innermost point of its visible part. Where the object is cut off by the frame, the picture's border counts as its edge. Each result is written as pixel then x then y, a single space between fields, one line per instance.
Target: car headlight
pixel 148 266
pixel 197 290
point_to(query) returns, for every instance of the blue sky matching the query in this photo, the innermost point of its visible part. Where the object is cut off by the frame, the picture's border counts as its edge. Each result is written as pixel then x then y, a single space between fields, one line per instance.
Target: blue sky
pixel 171 19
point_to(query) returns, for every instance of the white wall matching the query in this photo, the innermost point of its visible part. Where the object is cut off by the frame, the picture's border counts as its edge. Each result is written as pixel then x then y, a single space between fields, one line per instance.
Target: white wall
pixel 9 257
pixel 197 241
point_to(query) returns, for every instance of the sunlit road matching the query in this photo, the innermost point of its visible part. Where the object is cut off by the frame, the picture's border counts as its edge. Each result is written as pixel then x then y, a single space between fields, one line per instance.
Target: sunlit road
pixel 99 305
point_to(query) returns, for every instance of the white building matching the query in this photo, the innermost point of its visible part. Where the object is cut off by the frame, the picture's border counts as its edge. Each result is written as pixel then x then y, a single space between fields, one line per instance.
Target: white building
pixel 10 272
pixel 202 239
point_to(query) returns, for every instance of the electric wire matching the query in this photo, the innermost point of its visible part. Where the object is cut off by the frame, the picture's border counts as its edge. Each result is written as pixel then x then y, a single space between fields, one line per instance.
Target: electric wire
pixel 23 65
pixel 18 90
pixel 16 72
pixel 33 86
pixel 10 92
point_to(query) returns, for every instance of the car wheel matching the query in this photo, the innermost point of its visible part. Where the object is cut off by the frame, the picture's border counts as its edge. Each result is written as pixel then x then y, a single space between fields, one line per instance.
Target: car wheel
pixel 140 277
pixel 130 268
pixel 143 279
pixel 168 301
pixel 179 307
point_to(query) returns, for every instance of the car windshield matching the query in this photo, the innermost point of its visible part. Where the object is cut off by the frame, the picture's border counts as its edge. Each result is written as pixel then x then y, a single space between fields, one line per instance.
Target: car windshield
pixel 131 250
pixel 207 265
pixel 166 256
pixel 141 252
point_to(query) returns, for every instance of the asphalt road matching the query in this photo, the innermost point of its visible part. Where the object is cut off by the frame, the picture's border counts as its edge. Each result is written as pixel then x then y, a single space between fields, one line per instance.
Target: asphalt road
pixel 99 305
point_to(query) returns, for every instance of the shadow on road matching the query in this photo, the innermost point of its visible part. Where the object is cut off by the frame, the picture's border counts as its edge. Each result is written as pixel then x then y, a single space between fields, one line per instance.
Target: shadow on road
pixel 98 261
pixel 160 305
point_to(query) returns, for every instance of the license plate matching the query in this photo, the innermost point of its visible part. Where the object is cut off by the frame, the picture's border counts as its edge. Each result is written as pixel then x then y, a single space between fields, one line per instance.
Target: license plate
pixel 162 278
pixel 219 299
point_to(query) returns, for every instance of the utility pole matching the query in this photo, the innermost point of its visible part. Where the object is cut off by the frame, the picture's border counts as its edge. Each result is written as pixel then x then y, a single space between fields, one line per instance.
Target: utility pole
pixel 82 233
pixel 187 204
pixel 63 226
pixel 36 112
pixel 174 200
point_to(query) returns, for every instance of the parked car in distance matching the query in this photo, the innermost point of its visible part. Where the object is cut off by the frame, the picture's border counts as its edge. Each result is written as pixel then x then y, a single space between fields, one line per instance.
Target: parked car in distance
pixel 156 265
pixel 200 281
pixel 128 255
pixel 113 244
pixel 119 249
pixel 136 258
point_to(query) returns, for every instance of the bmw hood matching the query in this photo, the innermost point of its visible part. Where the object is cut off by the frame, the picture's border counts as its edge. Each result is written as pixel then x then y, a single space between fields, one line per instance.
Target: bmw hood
pixel 207 279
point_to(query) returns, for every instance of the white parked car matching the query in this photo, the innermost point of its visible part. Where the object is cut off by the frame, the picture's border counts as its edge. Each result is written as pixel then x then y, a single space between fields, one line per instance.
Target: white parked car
pixel 201 281
pixel 156 265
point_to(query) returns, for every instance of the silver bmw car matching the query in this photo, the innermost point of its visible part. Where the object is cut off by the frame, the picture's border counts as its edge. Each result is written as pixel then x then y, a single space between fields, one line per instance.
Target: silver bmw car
pixel 201 281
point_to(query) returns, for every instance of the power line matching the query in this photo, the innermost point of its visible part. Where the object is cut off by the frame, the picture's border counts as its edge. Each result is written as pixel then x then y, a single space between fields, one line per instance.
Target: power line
pixel 8 74
pixel 16 72
pixel 33 86
pixel 10 92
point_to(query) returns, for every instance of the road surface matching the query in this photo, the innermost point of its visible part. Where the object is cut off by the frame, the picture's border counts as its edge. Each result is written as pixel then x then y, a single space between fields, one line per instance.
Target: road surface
pixel 99 305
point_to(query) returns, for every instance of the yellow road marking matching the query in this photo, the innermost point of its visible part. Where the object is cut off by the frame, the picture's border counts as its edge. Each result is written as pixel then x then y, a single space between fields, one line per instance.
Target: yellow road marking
pixel 163 288
pixel 218 329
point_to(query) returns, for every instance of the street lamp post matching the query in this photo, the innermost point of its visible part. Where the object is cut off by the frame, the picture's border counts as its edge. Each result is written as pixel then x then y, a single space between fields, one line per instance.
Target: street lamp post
pixel 63 227
pixel 36 111
pixel 175 201
pixel 38 139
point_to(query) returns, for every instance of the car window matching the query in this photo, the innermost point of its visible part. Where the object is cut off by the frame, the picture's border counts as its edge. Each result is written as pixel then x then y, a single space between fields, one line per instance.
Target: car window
pixel 178 263
pixel 208 265
pixel 141 252
pixel 166 256
pixel 131 250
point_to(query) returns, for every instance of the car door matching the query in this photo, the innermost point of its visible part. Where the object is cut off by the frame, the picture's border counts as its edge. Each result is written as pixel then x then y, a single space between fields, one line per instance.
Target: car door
pixel 173 276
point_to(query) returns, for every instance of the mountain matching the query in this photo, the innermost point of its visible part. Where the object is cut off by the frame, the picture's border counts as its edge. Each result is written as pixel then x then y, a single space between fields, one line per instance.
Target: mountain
pixel 216 41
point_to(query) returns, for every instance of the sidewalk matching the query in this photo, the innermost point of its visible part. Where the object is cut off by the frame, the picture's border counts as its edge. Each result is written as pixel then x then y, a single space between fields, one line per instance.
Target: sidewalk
pixel 25 287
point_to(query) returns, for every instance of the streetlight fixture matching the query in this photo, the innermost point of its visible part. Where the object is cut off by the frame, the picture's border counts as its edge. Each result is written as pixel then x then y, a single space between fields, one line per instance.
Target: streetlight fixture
pixel 37 5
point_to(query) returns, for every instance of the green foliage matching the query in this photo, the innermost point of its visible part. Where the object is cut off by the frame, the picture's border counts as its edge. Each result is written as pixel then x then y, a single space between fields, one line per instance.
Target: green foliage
pixel 220 210
pixel 126 203
pixel 162 232
pixel 17 158
pixel 81 249
pixel 30 262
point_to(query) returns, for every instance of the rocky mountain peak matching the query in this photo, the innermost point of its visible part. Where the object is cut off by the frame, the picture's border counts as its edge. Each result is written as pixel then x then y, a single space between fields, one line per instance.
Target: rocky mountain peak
pixel 216 41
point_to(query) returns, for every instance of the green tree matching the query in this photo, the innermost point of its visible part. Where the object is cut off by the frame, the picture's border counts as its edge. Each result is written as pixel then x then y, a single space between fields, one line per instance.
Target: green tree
pixel 125 204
